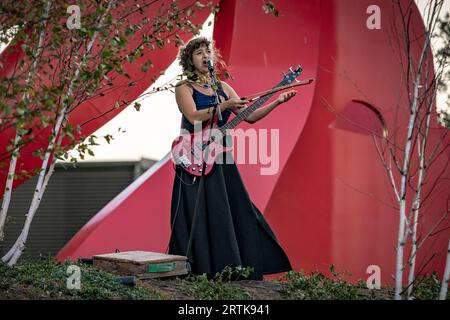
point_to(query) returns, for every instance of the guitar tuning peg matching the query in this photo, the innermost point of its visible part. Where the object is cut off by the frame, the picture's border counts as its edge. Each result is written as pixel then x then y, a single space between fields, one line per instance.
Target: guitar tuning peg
pixel 297 81
pixel 290 69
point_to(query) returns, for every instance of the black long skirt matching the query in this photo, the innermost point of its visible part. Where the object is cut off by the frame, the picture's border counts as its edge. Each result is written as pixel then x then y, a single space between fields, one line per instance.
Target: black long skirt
pixel 230 231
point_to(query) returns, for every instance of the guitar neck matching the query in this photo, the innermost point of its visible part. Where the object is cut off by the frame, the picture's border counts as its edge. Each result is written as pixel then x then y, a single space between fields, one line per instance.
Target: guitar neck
pixel 249 110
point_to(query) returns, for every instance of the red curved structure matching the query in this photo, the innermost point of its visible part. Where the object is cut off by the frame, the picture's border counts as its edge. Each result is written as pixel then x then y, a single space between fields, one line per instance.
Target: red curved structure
pixel 330 201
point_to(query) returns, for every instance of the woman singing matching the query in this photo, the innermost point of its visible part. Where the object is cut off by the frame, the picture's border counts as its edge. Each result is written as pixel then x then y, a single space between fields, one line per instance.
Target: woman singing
pixel 229 229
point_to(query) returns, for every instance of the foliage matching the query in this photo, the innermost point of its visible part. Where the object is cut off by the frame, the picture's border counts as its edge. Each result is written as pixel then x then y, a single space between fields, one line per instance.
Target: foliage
pixel 218 287
pixel 31 104
pixel 46 279
pixel 318 287
pixel 427 287
pixel 269 8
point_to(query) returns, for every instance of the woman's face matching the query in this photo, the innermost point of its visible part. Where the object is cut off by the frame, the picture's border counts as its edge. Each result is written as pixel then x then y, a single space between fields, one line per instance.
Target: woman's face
pixel 200 57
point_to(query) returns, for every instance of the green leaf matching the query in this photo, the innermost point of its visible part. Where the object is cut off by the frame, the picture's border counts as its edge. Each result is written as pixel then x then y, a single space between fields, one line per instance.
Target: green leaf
pixel 146 65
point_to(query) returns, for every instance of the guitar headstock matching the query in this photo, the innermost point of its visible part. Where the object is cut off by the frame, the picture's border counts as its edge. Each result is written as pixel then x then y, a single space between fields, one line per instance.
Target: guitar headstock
pixel 292 75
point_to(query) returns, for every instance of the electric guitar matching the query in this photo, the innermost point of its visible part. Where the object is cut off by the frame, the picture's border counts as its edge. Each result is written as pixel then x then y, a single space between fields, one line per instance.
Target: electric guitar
pixel 191 150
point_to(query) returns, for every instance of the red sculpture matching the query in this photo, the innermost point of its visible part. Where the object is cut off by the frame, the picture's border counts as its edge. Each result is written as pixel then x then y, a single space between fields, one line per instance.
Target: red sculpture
pixel 330 201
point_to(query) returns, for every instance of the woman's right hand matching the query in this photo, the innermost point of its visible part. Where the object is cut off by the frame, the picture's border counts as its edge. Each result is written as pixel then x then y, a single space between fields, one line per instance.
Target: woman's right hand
pixel 235 104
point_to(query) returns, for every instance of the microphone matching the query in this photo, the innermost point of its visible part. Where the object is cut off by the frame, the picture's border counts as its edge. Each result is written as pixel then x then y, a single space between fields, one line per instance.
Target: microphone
pixel 213 79
pixel 210 65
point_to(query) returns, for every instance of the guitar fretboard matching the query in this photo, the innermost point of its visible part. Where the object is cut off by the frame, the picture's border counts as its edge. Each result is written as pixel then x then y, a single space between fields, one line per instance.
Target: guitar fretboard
pixel 247 111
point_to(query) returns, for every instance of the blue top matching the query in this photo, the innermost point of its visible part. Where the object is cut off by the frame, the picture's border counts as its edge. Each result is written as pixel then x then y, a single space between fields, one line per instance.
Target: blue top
pixel 203 101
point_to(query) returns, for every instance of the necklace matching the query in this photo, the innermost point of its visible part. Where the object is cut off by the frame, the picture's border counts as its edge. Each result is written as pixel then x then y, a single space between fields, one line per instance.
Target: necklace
pixel 203 81
pixel 205 85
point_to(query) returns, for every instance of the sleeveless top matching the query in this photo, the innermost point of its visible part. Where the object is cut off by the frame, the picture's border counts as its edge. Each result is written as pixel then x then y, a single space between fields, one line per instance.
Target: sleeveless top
pixel 203 101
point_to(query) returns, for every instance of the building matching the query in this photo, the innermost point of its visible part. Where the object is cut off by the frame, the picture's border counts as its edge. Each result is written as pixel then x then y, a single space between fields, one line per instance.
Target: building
pixel 74 195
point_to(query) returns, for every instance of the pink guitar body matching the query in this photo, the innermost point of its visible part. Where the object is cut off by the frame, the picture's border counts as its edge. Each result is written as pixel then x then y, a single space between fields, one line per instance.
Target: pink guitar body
pixel 187 150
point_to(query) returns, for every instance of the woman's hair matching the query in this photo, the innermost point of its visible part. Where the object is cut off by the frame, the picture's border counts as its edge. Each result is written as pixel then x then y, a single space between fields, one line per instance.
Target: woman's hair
pixel 186 52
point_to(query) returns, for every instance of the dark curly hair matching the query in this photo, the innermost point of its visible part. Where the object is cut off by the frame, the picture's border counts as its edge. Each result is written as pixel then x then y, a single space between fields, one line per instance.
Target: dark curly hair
pixel 186 52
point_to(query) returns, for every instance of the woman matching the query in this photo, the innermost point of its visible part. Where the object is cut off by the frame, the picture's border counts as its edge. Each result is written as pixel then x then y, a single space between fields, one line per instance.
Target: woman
pixel 229 230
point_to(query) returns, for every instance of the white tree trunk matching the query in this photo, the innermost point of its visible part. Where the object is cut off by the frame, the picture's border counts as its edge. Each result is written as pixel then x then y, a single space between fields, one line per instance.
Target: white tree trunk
pixel 416 206
pixel 20 240
pixel 445 278
pixel 403 221
pixel 16 251
pixel 13 161
pixel 401 240
pixel 417 202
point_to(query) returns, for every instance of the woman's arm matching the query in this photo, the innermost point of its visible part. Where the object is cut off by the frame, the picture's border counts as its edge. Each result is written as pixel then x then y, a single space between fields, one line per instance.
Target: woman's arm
pixel 261 112
pixel 186 104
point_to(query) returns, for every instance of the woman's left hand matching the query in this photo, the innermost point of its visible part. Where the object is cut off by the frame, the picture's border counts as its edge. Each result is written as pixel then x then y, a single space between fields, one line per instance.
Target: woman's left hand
pixel 286 96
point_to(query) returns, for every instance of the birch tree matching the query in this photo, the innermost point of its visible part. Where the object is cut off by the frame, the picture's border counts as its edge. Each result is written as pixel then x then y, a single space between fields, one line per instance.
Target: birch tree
pixel 25 97
pixel 397 154
pixel 82 75
pixel 421 87
pixel 16 251
pixel 446 276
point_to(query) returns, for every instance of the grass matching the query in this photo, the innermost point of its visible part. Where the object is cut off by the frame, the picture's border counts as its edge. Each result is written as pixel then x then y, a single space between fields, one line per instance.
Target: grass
pixel 318 287
pixel 47 279
pixel 220 287
pixel 428 288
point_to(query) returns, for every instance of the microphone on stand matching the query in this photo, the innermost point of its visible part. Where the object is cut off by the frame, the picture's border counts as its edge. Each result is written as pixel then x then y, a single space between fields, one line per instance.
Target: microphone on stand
pixel 210 65
pixel 213 80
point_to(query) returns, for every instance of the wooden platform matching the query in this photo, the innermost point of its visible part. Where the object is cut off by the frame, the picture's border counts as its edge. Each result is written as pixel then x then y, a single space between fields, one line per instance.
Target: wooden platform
pixel 142 264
